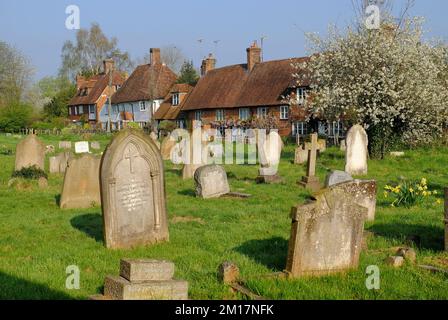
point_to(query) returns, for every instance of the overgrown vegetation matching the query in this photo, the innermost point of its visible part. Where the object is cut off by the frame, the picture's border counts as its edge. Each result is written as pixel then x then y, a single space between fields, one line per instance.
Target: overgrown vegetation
pixel 31 173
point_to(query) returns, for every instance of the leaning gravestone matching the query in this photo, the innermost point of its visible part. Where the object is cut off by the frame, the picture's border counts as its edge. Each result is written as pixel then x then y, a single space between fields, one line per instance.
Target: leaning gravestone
pixel 326 235
pixel 82 147
pixel 167 146
pixel 133 191
pixel 356 151
pixel 30 152
pixel 81 187
pixel 211 182
pixel 58 164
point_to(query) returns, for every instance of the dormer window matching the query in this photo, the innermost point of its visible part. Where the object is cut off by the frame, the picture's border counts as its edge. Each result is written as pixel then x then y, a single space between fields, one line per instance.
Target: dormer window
pixel 175 100
pixel 301 95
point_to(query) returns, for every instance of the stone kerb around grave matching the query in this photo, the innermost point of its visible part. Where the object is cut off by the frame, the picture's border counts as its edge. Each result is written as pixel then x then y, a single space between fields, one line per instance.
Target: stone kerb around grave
pixel 133 191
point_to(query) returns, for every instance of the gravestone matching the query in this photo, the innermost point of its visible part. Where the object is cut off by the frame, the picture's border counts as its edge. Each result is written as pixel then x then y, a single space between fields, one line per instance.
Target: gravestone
pixel 356 151
pixel 82 147
pixel 336 177
pixel 65 145
pixel 133 191
pixel 311 181
pixel 363 193
pixel 300 156
pixel 154 138
pixel 95 145
pixel 144 279
pixel 168 143
pixel 269 152
pixel 58 164
pixel 211 182
pixel 343 146
pixel 30 152
pixel 81 187
pixel 326 235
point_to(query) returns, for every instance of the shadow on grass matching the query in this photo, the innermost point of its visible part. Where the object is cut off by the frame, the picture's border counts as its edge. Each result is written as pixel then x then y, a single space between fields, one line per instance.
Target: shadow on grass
pixel 187 192
pixel 270 252
pixel 13 288
pixel 430 237
pixel 90 224
pixel 57 198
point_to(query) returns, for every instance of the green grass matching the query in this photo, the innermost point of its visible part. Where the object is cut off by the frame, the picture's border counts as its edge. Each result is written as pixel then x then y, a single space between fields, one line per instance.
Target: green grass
pixel 38 240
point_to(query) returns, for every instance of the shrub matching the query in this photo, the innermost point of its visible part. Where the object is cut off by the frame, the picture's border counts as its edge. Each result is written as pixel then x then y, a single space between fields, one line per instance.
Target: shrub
pixel 15 116
pixel 167 125
pixel 408 193
pixel 30 173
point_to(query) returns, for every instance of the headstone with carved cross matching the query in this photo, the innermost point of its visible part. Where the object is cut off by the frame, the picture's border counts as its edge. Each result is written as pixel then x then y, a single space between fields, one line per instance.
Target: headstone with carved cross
pixel 310 181
pixel 133 191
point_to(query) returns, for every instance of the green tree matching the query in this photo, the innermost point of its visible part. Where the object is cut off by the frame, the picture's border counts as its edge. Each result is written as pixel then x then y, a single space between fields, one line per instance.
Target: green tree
pixel 86 55
pixel 15 116
pixel 57 107
pixel 188 74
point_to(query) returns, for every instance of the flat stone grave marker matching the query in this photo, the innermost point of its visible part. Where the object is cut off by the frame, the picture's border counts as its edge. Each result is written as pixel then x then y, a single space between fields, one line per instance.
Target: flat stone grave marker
pixel 81 187
pixel 82 147
pixel 65 144
pixel 326 235
pixel 30 152
pixel 144 279
pixel 356 151
pixel 133 191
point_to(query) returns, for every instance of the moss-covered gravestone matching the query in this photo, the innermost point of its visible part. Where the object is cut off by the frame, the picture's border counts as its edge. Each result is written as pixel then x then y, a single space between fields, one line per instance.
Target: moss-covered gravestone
pixel 133 191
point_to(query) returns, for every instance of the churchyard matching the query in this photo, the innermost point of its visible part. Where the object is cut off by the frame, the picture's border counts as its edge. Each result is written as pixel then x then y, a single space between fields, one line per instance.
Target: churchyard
pixel 39 239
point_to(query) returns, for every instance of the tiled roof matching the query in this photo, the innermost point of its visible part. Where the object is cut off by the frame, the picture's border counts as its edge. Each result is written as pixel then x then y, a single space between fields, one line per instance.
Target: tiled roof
pixel 234 86
pixel 147 82
pixel 96 86
pixel 166 110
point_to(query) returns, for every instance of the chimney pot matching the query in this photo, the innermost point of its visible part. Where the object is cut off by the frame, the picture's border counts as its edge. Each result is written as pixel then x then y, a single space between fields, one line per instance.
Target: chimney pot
pixel 208 64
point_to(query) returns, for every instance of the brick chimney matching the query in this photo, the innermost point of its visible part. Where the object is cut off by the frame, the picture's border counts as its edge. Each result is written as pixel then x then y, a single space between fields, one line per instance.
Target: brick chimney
pixel 154 54
pixel 253 56
pixel 80 81
pixel 208 64
pixel 108 65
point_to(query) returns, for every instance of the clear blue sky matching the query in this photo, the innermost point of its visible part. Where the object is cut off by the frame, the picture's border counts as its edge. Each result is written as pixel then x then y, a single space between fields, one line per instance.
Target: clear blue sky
pixel 37 28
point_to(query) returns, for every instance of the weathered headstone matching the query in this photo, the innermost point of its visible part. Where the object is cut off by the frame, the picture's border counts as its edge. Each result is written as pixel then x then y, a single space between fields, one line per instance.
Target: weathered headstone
pixel 154 138
pixel 65 145
pixel 211 182
pixel 82 147
pixel 95 145
pixel 300 156
pixel 336 177
pixel 311 181
pixel 168 143
pixel 269 152
pixel 142 279
pixel 356 152
pixel 133 191
pixel 58 164
pixel 30 152
pixel 81 187
pixel 343 146
pixel 326 235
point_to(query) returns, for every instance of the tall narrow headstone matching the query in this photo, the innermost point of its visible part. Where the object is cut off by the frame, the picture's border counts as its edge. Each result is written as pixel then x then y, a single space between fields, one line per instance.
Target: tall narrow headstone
pixel 356 151
pixel 311 181
pixel 30 152
pixel 269 152
pixel 326 235
pixel 133 191
pixel 81 187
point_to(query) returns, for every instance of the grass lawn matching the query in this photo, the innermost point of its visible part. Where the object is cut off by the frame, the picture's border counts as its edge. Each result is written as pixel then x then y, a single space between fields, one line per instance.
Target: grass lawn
pixel 38 240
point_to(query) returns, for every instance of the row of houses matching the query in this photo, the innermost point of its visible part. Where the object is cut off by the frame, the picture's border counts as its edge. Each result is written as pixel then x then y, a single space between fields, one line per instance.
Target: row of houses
pixel 230 97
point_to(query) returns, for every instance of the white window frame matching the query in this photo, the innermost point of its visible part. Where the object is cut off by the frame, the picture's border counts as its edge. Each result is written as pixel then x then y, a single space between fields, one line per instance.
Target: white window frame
pixel 262 112
pixel 175 99
pixel 220 115
pixel 244 113
pixel 300 128
pixel 301 95
pixel 284 112
pixel 91 109
pixel 198 115
pixel 143 106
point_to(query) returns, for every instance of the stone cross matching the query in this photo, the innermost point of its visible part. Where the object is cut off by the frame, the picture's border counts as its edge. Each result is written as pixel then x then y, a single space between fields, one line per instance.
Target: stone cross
pixel 310 181
pixel 128 156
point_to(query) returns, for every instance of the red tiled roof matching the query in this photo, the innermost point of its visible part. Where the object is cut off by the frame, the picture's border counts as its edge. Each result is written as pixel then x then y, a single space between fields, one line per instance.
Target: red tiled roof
pixel 147 82
pixel 166 110
pixel 96 86
pixel 234 86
